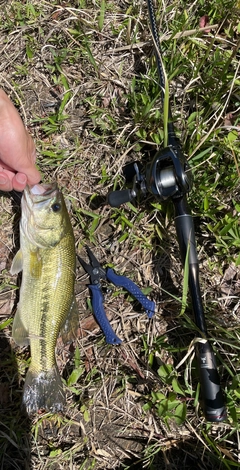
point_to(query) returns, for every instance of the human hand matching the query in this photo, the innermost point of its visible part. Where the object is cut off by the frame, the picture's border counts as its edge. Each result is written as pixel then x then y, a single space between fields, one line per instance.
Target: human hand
pixel 17 150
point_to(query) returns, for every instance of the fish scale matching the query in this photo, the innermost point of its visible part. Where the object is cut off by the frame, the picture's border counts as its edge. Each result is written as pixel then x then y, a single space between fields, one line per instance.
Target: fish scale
pixel 52 302
pixel 47 303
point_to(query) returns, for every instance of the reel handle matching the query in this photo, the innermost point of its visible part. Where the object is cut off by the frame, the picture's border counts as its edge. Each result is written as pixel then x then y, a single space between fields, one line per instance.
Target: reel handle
pixel 116 198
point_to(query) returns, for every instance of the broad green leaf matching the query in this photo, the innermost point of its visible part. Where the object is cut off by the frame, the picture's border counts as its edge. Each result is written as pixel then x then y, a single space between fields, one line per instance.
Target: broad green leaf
pixel 74 376
pixel 165 370
pixel 176 387
pixel 180 413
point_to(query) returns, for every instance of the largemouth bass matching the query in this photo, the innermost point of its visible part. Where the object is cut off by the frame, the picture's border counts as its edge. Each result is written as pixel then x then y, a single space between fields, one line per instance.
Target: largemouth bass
pixel 47 302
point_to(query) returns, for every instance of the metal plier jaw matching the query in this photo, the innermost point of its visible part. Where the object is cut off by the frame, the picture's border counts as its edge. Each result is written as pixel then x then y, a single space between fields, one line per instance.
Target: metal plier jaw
pixel 94 269
pixel 97 273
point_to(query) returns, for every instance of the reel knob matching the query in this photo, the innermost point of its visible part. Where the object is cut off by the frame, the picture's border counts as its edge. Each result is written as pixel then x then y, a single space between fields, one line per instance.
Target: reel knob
pixel 116 198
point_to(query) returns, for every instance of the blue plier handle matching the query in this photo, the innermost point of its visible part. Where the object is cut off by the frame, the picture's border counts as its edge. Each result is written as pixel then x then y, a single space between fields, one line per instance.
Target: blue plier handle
pixel 96 273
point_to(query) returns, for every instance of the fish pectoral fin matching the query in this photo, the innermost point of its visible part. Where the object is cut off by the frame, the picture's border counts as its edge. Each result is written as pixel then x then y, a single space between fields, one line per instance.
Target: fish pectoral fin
pixel 19 332
pixel 70 326
pixel 17 263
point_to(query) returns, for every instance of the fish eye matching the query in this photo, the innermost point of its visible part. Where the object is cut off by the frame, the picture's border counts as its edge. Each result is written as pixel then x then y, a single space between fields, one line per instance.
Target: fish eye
pixel 56 207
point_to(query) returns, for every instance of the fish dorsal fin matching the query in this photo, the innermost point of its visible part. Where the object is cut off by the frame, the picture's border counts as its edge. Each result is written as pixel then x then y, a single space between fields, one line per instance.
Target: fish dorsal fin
pixel 17 263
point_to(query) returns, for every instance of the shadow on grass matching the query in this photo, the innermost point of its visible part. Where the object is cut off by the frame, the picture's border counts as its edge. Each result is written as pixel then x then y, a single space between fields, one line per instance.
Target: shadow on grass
pixel 14 424
pixel 185 455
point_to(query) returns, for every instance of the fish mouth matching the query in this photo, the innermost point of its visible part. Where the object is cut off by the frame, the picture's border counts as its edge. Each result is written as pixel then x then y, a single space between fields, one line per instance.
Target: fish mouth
pixel 41 192
pixel 35 200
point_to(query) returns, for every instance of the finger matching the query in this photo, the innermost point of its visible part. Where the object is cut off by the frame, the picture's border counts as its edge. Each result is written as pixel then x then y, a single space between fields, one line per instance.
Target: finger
pixel 33 176
pixel 19 181
pixel 5 182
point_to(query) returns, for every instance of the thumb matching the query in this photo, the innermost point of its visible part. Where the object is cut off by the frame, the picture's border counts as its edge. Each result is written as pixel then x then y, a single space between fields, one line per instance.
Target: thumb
pixel 33 176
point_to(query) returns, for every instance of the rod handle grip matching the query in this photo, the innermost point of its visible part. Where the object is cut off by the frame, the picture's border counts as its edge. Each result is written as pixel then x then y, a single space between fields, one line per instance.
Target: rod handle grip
pixel 212 396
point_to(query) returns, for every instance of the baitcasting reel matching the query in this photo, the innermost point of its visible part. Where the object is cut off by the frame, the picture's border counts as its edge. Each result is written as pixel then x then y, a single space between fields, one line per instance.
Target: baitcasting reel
pixel 168 176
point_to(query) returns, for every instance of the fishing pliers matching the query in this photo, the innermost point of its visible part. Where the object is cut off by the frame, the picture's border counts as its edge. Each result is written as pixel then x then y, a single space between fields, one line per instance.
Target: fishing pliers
pixel 96 273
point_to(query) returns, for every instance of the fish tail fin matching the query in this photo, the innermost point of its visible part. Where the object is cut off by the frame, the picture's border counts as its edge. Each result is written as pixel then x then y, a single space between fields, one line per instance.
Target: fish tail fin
pixel 43 390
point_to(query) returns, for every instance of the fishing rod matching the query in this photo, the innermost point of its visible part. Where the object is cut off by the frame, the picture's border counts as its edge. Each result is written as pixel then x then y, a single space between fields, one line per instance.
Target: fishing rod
pixel 169 177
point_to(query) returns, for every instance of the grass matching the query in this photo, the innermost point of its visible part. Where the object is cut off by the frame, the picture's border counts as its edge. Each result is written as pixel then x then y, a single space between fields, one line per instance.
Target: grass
pixel 83 77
